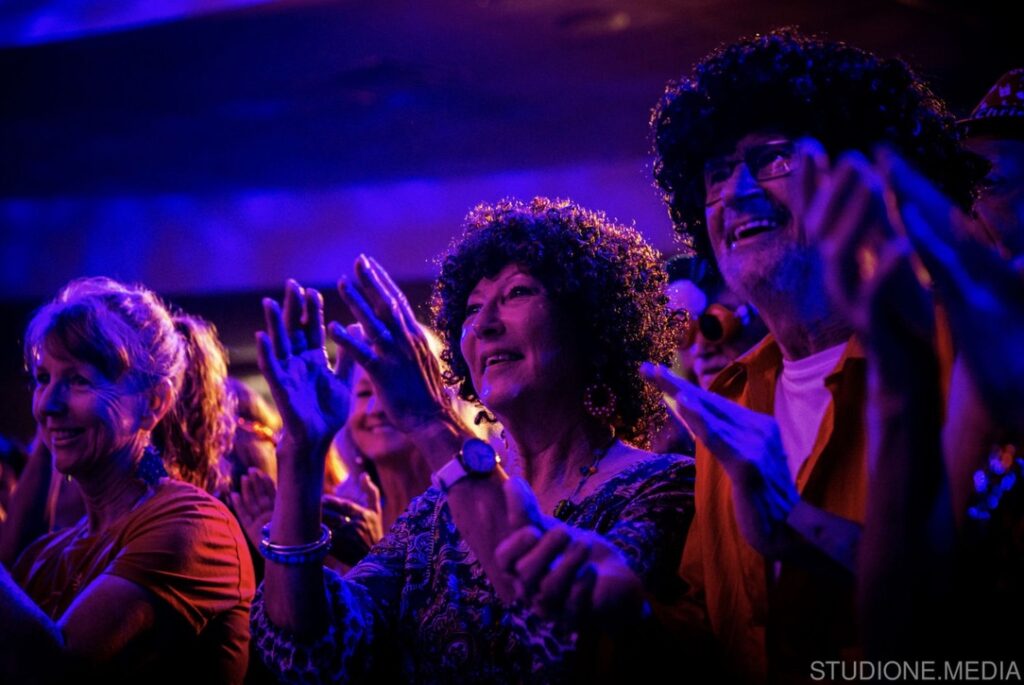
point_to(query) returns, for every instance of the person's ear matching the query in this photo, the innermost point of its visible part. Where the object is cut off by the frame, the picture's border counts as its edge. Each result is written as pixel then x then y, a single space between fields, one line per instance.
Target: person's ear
pixel 158 404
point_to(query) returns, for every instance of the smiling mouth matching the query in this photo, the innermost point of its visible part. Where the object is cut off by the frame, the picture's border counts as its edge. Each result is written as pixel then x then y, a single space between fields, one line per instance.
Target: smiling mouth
pixel 63 435
pixel 501 358
pixel 752 228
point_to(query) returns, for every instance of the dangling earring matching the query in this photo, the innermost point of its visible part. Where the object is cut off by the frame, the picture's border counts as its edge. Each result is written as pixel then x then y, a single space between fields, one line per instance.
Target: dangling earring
pixel 600 401
pixel 150 468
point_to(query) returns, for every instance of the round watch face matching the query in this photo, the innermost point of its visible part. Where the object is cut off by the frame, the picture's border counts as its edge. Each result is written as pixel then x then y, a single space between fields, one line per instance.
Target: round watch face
pixel 478 457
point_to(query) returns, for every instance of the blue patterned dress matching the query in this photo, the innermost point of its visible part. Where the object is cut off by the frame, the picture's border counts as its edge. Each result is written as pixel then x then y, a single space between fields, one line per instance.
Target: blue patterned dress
pixel 419 608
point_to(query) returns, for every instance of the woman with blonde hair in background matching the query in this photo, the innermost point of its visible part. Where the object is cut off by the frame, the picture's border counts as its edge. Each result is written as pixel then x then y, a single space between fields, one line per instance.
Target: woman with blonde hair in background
pixel 157 569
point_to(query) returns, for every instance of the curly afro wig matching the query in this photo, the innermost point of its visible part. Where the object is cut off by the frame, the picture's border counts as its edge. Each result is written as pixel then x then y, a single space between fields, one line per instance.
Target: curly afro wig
pixel 606 282
pixel 798 85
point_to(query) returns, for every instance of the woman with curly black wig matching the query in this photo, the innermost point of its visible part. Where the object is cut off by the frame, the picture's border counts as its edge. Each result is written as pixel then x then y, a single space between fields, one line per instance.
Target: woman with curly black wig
pixel 547 311
pixel 607 284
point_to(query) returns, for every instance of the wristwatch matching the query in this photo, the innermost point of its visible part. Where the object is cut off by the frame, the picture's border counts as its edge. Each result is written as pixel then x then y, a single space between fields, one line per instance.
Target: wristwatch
pixel 476 459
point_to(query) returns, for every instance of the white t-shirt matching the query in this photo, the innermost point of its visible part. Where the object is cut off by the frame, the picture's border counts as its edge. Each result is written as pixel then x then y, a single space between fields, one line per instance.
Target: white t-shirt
pixel 801 400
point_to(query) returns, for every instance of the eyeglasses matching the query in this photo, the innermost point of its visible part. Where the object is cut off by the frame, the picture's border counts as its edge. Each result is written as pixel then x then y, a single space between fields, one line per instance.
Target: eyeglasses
pixel 765 161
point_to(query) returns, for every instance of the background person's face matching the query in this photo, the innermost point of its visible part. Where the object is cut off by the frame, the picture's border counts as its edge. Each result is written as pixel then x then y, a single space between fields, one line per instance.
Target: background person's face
pixel 1000 206
pixel 704 358
pixel 373 434
pixel 685 299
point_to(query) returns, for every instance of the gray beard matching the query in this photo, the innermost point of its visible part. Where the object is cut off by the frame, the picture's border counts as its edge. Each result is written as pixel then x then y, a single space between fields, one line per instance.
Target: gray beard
pixel 795 282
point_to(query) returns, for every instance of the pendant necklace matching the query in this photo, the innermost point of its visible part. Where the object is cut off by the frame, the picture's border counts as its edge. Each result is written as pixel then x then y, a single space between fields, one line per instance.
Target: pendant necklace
pixel 565 507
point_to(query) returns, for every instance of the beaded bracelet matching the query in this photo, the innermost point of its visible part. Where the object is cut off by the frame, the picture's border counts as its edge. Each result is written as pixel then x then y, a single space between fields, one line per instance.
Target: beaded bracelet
pixel 296 555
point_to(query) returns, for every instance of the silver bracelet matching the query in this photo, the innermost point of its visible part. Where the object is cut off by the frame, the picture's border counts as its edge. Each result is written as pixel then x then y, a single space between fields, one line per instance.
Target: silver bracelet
pixel 296 555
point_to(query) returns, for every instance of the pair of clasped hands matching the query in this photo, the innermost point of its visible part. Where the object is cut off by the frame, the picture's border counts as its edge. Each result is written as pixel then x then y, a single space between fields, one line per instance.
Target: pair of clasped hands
pixel 553 568
pixel 891 241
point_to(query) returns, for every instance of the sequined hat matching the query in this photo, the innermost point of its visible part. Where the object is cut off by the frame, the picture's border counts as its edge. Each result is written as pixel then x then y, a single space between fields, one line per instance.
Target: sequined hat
pixel 1001 111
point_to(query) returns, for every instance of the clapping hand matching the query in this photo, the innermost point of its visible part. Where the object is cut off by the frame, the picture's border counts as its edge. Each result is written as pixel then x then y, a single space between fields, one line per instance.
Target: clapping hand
pixel 884 229
pixel 254 503
pixel 559 570
pixel 982 292
pixel 850 213
pixel 748 446
pixel 356 528
pixel 392 347
pixel 312 396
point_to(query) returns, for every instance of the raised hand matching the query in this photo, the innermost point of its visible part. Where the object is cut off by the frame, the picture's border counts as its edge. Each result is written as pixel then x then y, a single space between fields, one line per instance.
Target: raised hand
pixel 558 570
pixel 392 347
pixel 356 528
pixel 748 446
pixel 982 292
pixel 313 397
pixel 869 269
pixel 254 503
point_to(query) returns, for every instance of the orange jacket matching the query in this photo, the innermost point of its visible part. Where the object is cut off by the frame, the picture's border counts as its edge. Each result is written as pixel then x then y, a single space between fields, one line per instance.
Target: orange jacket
pixel 802 615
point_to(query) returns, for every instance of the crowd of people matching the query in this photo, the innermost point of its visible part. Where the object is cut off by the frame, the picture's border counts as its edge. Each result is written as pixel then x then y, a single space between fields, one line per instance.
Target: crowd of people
pixel 797 443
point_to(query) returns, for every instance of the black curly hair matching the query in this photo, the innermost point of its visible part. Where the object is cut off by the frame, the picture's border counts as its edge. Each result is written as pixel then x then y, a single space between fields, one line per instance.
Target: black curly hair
pixel 799 85
pixel 606 282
